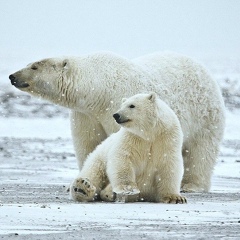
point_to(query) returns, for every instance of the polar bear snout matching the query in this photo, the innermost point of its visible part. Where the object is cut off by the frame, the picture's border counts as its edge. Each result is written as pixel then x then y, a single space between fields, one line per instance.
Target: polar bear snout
pixel 120 118
pixel 17 83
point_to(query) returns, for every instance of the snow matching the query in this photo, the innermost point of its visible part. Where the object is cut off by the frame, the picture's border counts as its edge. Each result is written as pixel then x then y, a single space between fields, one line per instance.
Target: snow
pixel 43 128
pixel 232 130
pixel 122 216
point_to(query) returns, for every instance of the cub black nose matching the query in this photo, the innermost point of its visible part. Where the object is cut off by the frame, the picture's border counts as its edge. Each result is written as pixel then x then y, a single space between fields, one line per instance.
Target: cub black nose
pixel 116 116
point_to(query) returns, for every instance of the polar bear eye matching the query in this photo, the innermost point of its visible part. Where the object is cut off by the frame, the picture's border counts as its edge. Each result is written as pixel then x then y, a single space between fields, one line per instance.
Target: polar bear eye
pixel 34 68
pixel 131 106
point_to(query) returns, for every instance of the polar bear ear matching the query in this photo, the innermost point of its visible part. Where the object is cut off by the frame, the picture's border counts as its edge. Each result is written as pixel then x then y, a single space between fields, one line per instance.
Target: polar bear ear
pixel 124 100
pixel 152 96
pixel 65 63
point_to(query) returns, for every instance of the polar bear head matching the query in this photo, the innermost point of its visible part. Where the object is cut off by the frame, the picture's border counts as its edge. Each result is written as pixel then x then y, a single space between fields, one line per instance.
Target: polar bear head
pixel 38 75
pixel 138 114
pixel 48 78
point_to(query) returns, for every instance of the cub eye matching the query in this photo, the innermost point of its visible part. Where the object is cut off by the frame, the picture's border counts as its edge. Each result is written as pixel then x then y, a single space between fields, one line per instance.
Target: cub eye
pixel 131 106
pixel 34 68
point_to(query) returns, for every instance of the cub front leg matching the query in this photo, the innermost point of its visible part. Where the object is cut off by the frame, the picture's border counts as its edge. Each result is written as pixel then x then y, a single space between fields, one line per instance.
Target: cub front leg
pixel 121 175
pixel 169 181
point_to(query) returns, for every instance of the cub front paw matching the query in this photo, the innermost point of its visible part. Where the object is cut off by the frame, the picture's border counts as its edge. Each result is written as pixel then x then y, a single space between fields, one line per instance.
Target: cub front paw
pixel 126 193
pixel 126 190
pixel 82 190
pixel 174 198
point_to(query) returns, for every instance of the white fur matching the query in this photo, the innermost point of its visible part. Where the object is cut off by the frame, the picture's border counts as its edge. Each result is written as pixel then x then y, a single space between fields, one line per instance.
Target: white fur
pixel 92 87
pixel 144 156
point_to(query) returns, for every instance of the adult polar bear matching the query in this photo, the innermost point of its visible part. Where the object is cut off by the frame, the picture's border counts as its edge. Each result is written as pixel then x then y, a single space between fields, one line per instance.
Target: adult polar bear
pixel 93 86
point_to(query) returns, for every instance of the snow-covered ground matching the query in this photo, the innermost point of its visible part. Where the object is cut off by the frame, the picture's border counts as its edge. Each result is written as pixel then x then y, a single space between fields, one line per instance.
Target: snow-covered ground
pixel 37 160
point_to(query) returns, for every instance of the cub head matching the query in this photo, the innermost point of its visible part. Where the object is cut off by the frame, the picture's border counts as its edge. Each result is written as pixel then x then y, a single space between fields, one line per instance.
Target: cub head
pixel 138 113
pixel 43 78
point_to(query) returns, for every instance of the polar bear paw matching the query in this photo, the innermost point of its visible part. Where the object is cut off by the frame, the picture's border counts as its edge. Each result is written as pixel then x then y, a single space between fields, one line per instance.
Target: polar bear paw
pixel 107 194
pixel 82 190
pixel 120 192
pixel 190 187
pixel 126 190
pixel 126 193
pixel 174 198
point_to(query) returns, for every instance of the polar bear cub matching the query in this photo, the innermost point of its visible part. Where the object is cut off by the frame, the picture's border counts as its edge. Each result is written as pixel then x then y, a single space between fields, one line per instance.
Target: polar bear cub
pixel 144 158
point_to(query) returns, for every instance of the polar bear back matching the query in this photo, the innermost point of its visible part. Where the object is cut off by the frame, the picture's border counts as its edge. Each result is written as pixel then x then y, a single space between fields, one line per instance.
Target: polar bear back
pixel 171 74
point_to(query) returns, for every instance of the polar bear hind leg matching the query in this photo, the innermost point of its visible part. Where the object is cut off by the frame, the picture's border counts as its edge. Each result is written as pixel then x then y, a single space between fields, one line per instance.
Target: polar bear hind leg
pixel 107 194
pixel 82 190
pixel 199 159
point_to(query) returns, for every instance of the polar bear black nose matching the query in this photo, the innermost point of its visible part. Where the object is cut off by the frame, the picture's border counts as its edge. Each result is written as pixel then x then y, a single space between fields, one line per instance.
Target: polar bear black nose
pixel 116 116
pixel 12 78
pixel 18 83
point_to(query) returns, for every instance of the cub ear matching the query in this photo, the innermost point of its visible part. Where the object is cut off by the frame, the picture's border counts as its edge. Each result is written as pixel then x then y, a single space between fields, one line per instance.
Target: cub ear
pixel 124 100
pixel 65 63
pixel 152 96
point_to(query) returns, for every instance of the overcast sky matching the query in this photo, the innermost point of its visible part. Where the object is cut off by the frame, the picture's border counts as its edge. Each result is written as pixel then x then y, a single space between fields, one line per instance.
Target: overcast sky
pixel 48 28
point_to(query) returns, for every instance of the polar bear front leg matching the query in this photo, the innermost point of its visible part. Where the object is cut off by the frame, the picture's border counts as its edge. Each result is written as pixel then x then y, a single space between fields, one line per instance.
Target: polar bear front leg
pixel 87 133
pixel 168 180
